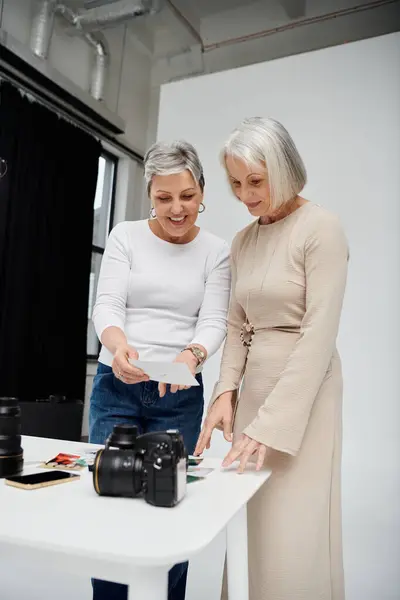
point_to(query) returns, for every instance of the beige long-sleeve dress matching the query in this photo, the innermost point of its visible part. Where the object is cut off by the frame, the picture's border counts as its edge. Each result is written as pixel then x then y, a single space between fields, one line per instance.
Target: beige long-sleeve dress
pixel 289 279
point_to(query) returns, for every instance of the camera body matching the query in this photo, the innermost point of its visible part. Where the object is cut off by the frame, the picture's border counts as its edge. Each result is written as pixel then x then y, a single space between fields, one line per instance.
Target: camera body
pixel 152 465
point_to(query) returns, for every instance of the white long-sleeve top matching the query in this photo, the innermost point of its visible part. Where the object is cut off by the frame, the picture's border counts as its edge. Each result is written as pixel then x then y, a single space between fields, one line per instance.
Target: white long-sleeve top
pixel 163 296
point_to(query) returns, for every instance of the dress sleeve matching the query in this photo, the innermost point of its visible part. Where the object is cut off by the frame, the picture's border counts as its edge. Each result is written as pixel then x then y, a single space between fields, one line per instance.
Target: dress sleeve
pixel 234 354
pixel 211 323
pixel 112 288
pixel 282 420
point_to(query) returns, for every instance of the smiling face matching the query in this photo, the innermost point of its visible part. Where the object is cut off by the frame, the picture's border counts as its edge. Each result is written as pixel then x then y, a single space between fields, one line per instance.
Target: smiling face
pixel 250 185
pixel 176 200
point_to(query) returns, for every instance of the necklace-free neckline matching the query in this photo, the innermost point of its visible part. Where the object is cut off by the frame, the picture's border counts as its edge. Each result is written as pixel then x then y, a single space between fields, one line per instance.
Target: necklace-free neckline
pixel 284 219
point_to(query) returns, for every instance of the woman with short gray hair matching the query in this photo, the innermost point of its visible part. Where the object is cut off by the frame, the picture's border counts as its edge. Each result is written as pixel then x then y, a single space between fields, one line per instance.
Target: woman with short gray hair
pixel 162 295
pixel 289 271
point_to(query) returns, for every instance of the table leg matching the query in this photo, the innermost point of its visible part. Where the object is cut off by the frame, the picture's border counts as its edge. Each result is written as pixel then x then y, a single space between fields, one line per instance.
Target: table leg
pixel 237 557
pixel 149 584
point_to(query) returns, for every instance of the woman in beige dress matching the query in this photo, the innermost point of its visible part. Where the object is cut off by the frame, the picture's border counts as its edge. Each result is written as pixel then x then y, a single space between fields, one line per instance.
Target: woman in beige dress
pixel 289 270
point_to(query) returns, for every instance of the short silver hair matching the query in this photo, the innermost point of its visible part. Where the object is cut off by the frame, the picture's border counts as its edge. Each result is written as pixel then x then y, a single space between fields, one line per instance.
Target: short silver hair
pixel 261 140
pixel 170 159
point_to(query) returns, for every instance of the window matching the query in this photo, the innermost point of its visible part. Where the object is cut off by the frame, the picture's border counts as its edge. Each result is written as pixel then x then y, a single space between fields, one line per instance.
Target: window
pixel 103 221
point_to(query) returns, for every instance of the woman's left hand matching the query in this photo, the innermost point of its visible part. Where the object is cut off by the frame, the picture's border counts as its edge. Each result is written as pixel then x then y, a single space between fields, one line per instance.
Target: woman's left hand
pixel 186 357
pixel 242 449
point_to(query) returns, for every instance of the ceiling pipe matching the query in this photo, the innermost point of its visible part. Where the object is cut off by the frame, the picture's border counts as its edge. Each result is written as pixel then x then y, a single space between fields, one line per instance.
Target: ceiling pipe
pixel 43 26
pixel 99 44
pixel 107 15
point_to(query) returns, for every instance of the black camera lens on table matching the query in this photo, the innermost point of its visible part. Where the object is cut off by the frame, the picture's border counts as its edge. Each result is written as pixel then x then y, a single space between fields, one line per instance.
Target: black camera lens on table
pixel 11 452
pixel 152 465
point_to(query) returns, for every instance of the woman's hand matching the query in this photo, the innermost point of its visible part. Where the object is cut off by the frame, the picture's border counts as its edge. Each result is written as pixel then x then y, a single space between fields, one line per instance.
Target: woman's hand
pixel 220 416
pixel 186 357
pixel 121 367
pixel 242 449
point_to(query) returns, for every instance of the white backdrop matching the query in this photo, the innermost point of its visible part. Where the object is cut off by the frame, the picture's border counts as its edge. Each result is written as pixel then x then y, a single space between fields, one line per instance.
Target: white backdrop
pixel 342 106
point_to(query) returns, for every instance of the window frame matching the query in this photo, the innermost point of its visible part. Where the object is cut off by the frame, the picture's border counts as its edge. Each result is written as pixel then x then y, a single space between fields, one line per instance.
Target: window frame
pixel 109 157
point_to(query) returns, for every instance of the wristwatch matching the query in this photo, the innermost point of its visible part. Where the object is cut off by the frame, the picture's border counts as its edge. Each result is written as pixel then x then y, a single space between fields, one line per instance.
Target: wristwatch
pixel 197 353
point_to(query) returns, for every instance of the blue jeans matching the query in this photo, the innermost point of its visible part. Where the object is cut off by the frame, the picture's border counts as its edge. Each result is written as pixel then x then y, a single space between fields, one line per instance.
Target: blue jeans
pixel 113 402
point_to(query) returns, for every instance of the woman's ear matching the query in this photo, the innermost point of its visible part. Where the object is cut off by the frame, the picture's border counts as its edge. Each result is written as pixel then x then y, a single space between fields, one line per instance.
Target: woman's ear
pixel 202 182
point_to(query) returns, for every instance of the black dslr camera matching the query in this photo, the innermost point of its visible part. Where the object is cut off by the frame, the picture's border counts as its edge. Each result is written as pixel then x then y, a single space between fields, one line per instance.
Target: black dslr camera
pixel 152 465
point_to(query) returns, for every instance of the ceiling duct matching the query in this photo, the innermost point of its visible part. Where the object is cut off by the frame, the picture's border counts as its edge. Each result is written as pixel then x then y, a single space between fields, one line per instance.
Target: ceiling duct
pixel 96 3
pixel 115 13
pixel 41 33
pixel 86 23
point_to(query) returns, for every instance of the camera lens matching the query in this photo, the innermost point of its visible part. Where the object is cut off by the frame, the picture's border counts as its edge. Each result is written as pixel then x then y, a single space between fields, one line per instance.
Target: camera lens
pixel 123 437
pixel 11 453
pixel 118 473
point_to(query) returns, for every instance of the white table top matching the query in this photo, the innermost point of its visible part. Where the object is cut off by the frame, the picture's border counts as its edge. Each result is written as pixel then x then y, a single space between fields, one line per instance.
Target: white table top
pixel 73 520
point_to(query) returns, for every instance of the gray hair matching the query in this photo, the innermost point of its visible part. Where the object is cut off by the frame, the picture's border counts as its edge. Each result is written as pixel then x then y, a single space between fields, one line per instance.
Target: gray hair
pixel 170 159
pixel 261 140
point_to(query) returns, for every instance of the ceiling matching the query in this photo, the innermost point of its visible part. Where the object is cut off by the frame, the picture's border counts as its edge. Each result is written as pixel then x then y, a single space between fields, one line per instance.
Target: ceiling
pixel 195 36
pixel 199 7
pixel 207 8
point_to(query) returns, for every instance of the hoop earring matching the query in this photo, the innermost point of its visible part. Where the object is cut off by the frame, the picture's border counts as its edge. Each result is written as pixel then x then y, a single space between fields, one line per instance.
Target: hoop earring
pixel 202 207
pixel 152 213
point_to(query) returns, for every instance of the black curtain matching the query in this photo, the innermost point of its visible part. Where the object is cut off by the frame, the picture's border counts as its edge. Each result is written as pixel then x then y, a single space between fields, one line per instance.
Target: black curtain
pixel 46 221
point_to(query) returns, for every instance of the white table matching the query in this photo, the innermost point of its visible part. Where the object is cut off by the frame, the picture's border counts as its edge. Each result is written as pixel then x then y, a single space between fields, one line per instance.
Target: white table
pixel 120 539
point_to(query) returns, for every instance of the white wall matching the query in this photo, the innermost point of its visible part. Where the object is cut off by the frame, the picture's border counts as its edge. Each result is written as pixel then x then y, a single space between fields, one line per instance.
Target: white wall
pixel 342 107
